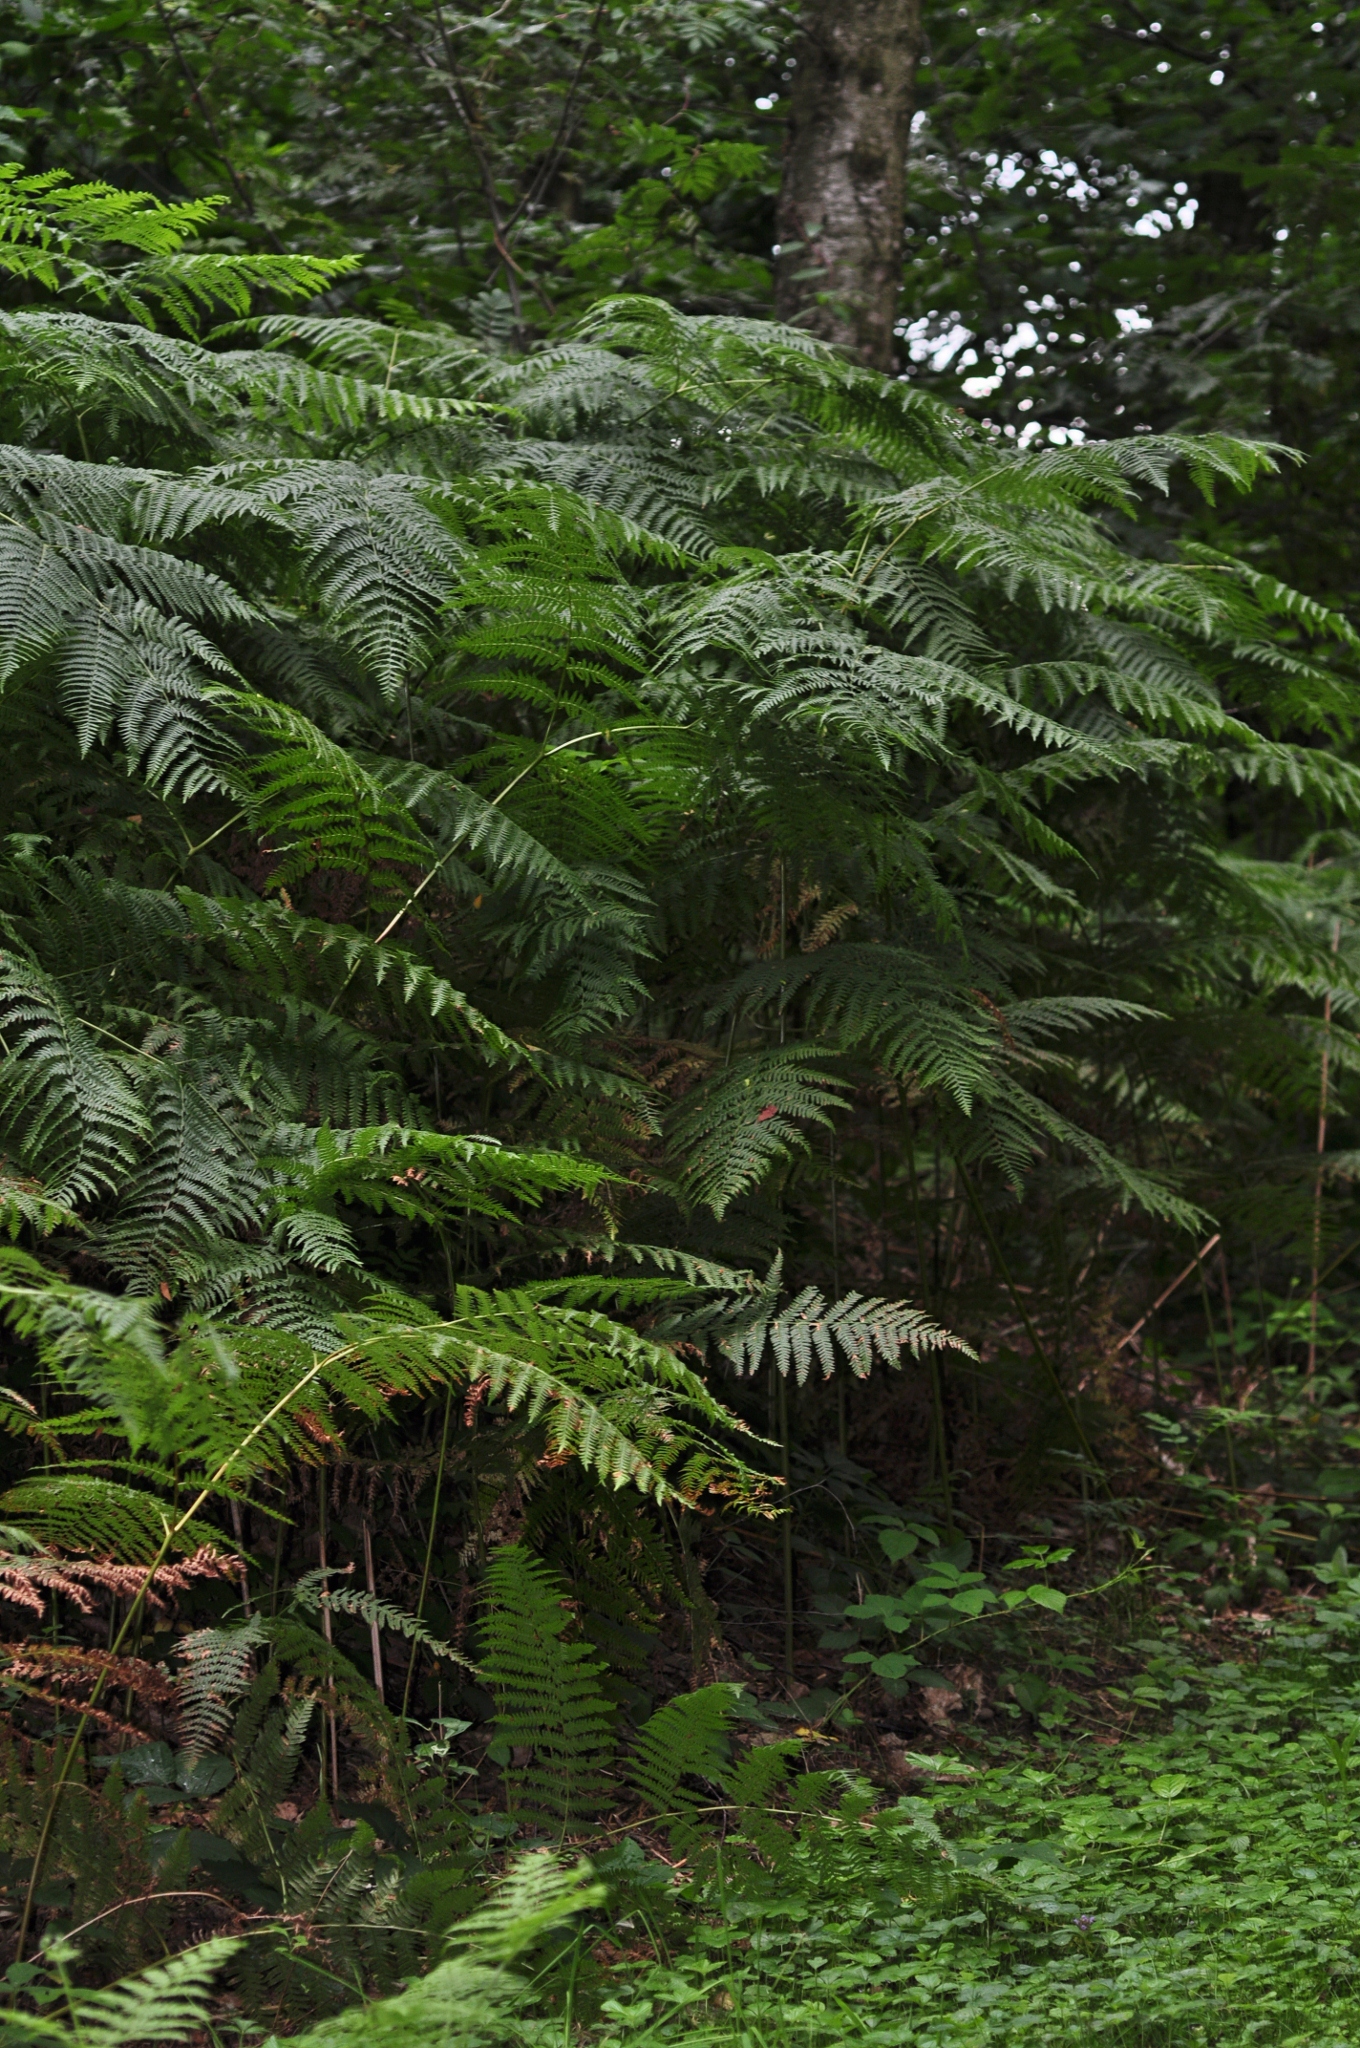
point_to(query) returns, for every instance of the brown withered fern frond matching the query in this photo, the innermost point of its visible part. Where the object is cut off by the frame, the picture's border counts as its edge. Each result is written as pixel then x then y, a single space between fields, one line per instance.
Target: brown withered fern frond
pixel 28 1581
pixel 62 1675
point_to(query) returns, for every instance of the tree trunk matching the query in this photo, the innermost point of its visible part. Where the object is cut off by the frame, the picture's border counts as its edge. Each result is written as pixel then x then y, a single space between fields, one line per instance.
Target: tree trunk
pixel 843 198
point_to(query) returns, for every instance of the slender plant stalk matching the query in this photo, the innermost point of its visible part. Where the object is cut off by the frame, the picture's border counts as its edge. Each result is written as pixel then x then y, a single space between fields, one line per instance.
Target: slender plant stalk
pixel 1169 1290
pixel 1218 1376
pixel 918 1231
pixel 786 1523
pixel 375 1639
pixel 1226 1286
pixel 237 1531
pixel 842 1382
pixel 941 1440
pixel 429 1547
pixel 276 1577
pixel 327 1629
pixel 1321 1149
pixel 1268 1361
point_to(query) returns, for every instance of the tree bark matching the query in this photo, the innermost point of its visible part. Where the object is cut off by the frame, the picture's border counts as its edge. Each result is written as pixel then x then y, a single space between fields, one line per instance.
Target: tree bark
pixel 842 203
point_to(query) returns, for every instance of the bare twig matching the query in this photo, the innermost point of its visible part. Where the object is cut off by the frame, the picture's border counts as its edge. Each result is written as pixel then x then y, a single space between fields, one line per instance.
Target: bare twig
pixel 1167 1292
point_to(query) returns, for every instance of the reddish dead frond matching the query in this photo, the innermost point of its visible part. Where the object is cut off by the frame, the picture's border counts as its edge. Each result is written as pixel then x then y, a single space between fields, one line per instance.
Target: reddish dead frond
pixel 62 1675
pixel 28 1581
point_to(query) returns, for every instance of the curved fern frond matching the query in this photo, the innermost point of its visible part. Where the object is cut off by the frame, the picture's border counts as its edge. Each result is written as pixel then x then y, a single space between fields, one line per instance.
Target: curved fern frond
pixel 744 1117
pixel 686 1738
pixel 73 1116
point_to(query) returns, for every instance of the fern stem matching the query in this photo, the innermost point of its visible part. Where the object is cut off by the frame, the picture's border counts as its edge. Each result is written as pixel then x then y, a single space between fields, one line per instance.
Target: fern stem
pixel 1218 1376
pixel 374 1635
pixel 276 1582
pixel 237 819
pixel 842 1389
pixel 936 1376
pixel 1040 1352
pixel 429 1546
pixel 786 1523
pixel 327 1630
pixel 243 1577
pixel 1317 1182
pixel 580 740
pixel 941 1440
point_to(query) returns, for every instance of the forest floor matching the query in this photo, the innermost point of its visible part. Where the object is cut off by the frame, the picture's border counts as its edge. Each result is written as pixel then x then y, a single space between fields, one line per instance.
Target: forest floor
pixel 1142 1830
pixel 1166 1852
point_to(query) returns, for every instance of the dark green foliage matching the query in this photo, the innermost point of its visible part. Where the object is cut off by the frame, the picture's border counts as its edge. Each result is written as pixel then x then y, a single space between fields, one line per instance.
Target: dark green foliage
pixel 103 1850
pixel 1215 130
pixel 1194 1882
pixel 505 849
pixel 917 807
pixel 472 1995
pixel 554 1727
pixel 685 1739
pixel 602 175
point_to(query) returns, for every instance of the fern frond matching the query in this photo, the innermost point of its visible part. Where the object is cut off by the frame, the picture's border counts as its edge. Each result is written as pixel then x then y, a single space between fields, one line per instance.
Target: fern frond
pixel 536 1893
pixel 686 1738
pixel 743 1118
pixel 811 1334
pixel 66 1510
pixel 217 1666
pixel 170 2001
pixel 546 1690
pixel 73 1118
pixel 312 1593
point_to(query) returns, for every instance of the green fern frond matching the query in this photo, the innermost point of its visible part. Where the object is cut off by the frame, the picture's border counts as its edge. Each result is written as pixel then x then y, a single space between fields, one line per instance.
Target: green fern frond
pixel 810 1334
pixel 72 1115
pixel 547 1694
pixel 168 2002
pixel 743 1118
pixel 288 955
pixel 89 1516
pixel 217 1667
pixel 629 1410
pixel 536 1893
pixel 686 1738
pixel 313 1593
pixel 473 1994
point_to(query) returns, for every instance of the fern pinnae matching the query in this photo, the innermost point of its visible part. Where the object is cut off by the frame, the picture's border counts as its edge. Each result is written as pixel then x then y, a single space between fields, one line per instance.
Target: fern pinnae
pixel 313 1593
pixel 685 1738
pixel 547 1694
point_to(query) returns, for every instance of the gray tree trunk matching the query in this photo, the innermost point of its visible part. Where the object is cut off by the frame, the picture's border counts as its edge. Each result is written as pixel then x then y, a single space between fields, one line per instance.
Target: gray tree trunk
pixel 843 199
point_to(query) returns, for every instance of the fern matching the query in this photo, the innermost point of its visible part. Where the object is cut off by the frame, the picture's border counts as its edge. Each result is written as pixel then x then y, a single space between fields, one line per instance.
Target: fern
pixel 216 1669
pixel 730 1130
pixel 473 816
pixel 266 1744
pixel 807 1334
pixel 168 2002
pixel 475 1989
pixel 101 1854
pixel 686 1738
pixel 548 1699
pixel 311 1593
pixel 70 1109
